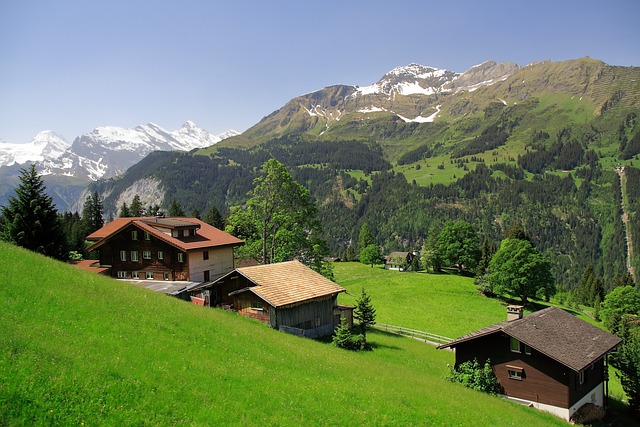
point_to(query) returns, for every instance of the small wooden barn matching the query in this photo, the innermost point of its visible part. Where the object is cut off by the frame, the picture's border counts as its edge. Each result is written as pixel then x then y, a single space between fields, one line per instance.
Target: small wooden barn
pixel 549 359
pixel 287 296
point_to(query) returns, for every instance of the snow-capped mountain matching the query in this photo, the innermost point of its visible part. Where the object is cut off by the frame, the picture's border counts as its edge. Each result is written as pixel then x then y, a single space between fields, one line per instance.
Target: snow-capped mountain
pixel 105 151
pixel 412 93
pixel 45 145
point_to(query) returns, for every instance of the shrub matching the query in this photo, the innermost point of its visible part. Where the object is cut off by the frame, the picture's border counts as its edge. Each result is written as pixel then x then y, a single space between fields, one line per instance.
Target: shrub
pixel 476 377
pixel 344 337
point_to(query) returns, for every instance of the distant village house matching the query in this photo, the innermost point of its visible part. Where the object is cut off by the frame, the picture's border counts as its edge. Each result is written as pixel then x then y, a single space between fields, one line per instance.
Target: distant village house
pixel 401 261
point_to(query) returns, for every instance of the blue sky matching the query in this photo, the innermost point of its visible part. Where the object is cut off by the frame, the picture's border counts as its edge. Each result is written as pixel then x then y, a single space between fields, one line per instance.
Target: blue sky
pixel 70 66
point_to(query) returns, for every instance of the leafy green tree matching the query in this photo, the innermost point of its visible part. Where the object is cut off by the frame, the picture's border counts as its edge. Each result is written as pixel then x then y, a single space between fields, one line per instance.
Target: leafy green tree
pixel 430 255
pixel 517 232
pixel 622 301
pixel 370 255
pixel 214 218
pixel 136 209
pixel 519 270
pixel 364 313
pixel 175 209
pixel 458 245
pixel 31 220
pixel 364 238
pixel 282 217
pixel 92 213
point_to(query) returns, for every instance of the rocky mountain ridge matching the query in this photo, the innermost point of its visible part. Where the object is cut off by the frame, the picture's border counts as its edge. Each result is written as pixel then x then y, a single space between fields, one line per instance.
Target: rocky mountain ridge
pixel 105 151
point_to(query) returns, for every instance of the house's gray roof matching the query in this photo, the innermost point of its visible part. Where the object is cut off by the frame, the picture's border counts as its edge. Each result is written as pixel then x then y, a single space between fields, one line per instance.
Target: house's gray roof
pixel 555 333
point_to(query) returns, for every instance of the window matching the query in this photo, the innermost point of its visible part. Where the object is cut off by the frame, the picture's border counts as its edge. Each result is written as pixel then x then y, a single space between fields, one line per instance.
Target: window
pixel 160 255
pixel 256 305
pixel 135 274
pixel 581 377
pixel 527 350
pixel 515 345
pixel 207 276
pixel 134 235
pixel 165 276
pixel 205 255
pixel 149 274
pixel 146 254
pixel 515 373
pixel 180 257
pixel 122 274
pixel 123 255
pixel 134 256
pixel 147 235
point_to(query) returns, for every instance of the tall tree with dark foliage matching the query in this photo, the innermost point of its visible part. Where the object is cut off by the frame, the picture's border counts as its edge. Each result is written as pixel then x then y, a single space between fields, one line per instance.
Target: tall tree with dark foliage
pixel 31 220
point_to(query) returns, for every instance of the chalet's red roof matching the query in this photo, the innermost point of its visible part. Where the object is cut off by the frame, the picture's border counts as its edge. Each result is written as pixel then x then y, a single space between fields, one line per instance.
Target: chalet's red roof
pixel 286 283
pixel 555 333
pixel 206 235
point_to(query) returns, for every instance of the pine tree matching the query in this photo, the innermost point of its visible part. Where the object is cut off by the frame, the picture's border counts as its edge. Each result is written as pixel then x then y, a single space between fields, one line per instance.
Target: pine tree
pixel 175 209
pixel 213 217
pixel 136 207
pixel 92 214
pixel 364 313
pixel 364 238
pixel 31 220
pixel 124 211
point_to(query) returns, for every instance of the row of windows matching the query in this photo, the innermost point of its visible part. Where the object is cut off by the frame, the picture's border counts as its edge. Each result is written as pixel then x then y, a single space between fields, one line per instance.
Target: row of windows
pixel 137 275
pixel 147 255
pixel 134 235
pixel 516 346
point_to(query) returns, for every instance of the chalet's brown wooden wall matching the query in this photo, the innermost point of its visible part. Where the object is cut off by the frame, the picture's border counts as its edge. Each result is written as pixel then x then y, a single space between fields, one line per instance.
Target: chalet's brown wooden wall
pixel 592 377
pixel 307 315
pixel 110 255
pixel 544 380
pixel 243 303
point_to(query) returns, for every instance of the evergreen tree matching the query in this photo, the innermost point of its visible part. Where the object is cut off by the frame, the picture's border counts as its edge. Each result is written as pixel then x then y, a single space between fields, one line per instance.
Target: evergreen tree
pixel 92 212
pixel 350 254
pixel 627 359
pixel 517 232
pixel 31 220
pixel 364 238
pixel 124 211
pixel 195 214
pixel 364 313
pixel 136 208
pixel 213 217
pixel 175 209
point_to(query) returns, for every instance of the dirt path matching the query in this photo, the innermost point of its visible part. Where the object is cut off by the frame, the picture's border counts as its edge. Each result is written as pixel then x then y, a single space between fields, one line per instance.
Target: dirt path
pixel 625 221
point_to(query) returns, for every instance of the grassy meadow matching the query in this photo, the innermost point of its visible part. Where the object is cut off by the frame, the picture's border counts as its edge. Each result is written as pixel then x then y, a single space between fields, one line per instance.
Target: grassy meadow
pixel 81 349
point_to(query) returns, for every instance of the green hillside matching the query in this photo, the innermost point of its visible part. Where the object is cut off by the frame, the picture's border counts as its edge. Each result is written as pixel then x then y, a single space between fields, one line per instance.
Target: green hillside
pixel 79 349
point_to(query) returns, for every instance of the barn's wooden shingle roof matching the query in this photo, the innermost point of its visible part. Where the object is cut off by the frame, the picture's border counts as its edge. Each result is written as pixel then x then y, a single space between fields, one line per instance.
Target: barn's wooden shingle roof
pixel 555 333
pixel 286 283
pixel 206 235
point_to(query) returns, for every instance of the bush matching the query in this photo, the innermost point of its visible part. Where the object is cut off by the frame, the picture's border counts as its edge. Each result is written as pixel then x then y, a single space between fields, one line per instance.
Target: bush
pixel 476 377
pixel 344 338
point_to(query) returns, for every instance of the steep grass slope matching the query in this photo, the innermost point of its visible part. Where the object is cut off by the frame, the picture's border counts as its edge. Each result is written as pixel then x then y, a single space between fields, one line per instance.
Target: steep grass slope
pixel 78 349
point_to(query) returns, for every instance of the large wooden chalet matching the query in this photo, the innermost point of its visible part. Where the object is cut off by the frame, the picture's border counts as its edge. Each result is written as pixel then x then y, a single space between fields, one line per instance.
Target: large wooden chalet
pixel 158 248
pixel 549 359
pixel 287 296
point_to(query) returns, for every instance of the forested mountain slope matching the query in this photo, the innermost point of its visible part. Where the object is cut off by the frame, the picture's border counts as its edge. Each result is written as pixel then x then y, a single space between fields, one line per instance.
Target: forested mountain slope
pixel 534 146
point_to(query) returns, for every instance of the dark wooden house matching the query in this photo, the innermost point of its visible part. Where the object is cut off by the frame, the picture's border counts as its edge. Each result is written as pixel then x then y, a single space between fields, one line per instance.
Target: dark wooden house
pixel 549 359
pixel 158 248
pixel 287 296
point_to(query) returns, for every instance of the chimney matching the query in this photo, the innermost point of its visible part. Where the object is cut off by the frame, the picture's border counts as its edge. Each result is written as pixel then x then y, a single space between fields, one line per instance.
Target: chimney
pixel 514 312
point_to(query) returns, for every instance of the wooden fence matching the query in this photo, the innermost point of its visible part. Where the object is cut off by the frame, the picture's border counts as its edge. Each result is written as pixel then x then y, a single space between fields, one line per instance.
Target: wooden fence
pixel 427 337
